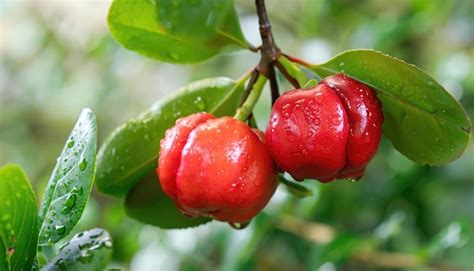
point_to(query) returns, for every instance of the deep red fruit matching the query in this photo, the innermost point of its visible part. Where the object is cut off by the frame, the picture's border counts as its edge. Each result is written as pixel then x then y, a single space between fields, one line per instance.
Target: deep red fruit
pixel 326 132
pixel 216 167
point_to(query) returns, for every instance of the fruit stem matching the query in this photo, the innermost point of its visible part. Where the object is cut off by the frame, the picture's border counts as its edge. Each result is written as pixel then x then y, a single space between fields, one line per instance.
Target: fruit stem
pixel 292 72
pixel 298 60
pixel 246 108
pixel 295 188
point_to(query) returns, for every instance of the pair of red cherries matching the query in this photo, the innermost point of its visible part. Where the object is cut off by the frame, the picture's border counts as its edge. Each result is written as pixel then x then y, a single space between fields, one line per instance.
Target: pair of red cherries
pixel 223 169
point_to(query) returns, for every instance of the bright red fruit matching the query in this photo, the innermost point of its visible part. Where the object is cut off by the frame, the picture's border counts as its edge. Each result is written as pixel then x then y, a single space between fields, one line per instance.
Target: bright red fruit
pixel 216 167
pixel 326 132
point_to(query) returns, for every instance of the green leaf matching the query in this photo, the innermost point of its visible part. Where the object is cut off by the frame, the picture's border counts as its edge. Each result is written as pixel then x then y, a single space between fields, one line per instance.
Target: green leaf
pixel 147 203
pixel 18 220
pixel 295 188
pixel 339 250
pixel 88 250
pixel 456 234
pixel 186 31
pixel 70 183
pixel 422 120
pixel 131 151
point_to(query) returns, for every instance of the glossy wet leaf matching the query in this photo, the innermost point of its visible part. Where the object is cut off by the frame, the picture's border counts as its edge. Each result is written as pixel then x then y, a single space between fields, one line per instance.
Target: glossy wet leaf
pixel 70 183
pixel 131 151
pixel 18 220
pixel 88 250
pixel 422 120
pixel 182 31
pixel 147 203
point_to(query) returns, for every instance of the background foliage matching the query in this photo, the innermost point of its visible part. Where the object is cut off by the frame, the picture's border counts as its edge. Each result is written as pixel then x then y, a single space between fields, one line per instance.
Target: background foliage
pixel 58 57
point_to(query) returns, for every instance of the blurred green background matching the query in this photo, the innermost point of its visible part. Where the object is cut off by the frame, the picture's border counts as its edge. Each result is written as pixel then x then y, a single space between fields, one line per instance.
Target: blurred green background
pixel 58 57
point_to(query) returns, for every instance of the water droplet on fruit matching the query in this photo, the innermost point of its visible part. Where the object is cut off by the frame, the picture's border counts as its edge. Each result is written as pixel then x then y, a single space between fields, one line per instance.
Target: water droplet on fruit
pixel 290 135
pixel 336 120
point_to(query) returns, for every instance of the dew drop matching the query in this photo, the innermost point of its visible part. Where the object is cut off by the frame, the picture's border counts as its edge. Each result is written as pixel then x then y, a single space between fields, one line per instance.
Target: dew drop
pixel 83 164
pixel 199 102
pixel 71 200
pixel 70 144
pixel 336 120
pixel 85 258
pixel 60 229
pixel 290 135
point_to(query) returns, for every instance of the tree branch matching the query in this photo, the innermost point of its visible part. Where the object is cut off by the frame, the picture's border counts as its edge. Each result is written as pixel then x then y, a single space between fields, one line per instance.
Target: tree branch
pixel 269 50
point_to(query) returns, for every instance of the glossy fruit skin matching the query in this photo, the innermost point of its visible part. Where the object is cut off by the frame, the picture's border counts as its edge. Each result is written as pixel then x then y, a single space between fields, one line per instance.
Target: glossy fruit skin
pixel 327 132
pixel 216 167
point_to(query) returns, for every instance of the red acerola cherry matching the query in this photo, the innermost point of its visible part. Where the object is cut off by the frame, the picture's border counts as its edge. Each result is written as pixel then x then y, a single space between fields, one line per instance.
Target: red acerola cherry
pixel 326 132
pixel 216 167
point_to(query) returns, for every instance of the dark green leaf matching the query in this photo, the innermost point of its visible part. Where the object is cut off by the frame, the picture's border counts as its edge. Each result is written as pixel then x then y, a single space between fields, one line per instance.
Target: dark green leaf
pixel 18 220
pixel 71 182
pixel 147 203
pixel 295 188
pixel 176 31
pixel 131 151
pixel 88 250
pixel 423 121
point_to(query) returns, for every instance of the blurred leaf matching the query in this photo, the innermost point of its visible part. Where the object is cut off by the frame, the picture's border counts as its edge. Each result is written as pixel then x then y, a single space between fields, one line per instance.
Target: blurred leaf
pixel 71 182
pixel 176 31
pixel 390 227
pixel 18 220
pixel 295 188
pixel 131 151
pixel 147 203
pixel 456 234
pixel 4 261
pixel 88 250
pixel 423 121
pixel 339 250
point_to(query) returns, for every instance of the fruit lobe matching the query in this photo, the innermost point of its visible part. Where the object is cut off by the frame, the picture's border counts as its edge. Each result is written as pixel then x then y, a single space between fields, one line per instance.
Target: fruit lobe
pixel 216 167
pixel 365 118
pixel 329 131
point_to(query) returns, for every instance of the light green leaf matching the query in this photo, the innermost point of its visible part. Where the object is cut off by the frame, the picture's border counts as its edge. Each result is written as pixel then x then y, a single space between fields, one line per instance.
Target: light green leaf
pixel 131 151
pixel 147 203
pixel 422 120
pixel 88 250
pixel 18 220
pixel 186 31
pixel 71 182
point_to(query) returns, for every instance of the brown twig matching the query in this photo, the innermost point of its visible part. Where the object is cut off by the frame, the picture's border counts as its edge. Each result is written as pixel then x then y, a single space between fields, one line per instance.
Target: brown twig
pixel 269 50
